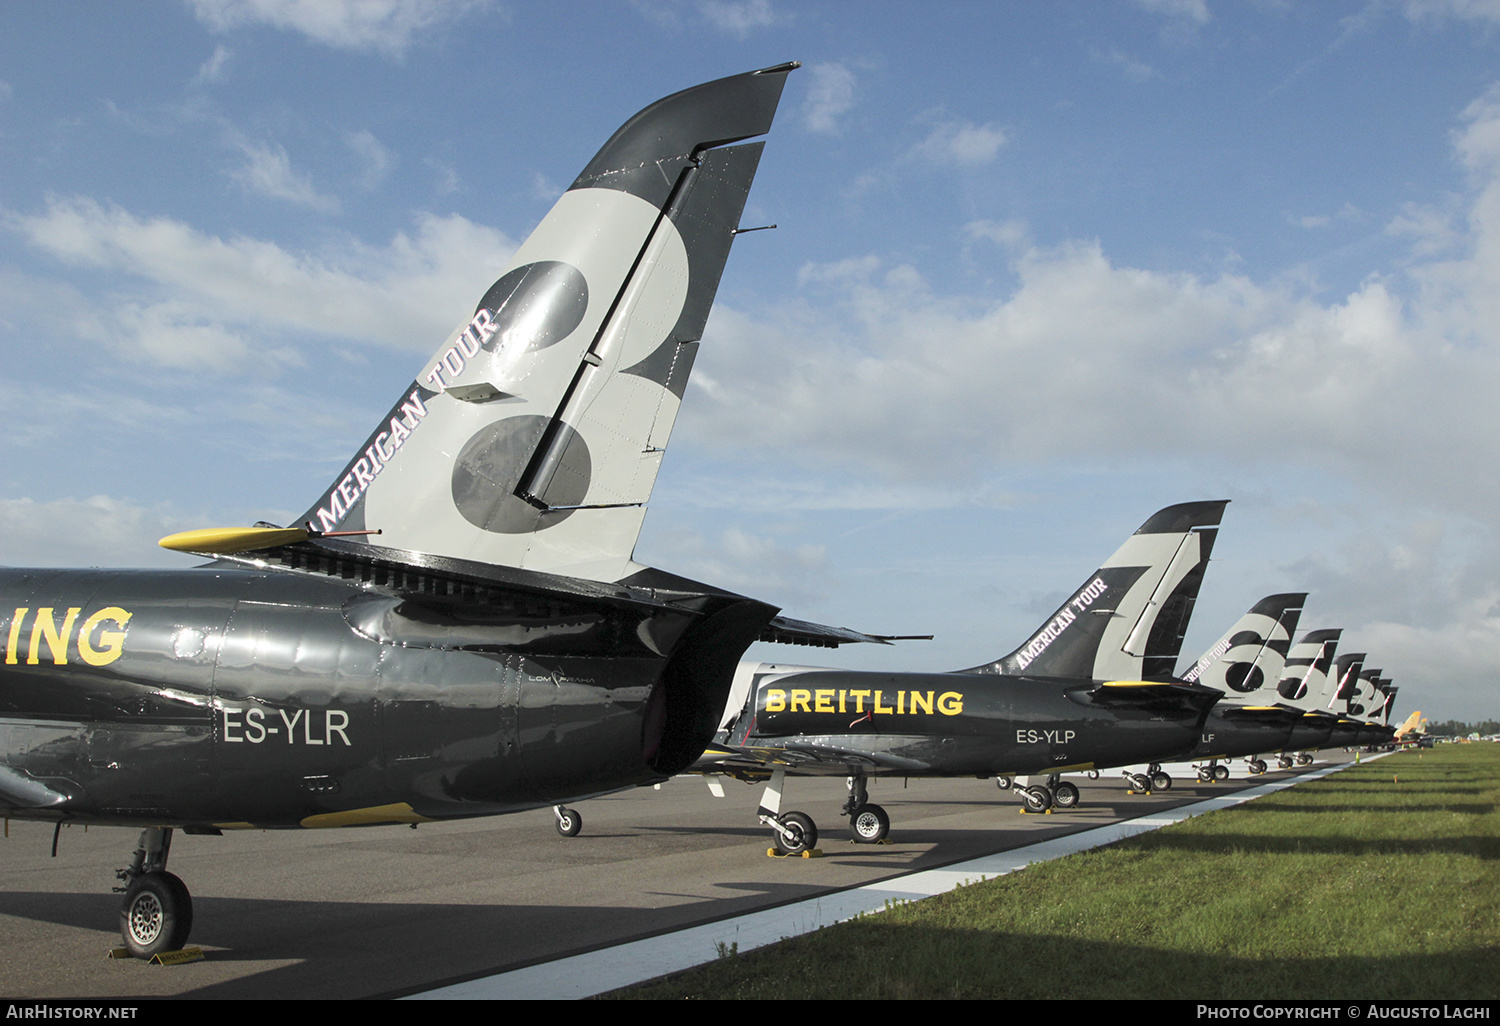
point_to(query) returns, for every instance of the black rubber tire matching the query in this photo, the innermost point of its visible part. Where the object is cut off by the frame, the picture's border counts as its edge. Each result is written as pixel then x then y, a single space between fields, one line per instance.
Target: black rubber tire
pixel 1139 783
pixel 870 824
pixel 1161 781
pixel 1257 767
pixel 1004 783
pixel 568 822
pixel 1065 795
pixel 1221 773
pixel 1037 799
pixel 156 915
pixel 1093 774
pixel 804 834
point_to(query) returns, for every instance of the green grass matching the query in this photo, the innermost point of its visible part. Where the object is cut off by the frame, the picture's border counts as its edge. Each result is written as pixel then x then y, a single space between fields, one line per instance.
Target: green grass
pixel 1380 881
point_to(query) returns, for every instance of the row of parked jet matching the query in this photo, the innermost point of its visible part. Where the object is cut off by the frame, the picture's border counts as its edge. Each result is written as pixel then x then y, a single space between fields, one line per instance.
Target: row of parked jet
pixel 457 626
pixel 1091 689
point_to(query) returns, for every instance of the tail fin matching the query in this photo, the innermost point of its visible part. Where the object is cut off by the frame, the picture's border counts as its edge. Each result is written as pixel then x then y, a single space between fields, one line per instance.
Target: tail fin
pixel 1412 725
pixel 1127 620
pixel 1340 687
pixel 1365 697
pixel 533 437
pixel 1388 699
pixel 1254 650
pixel 1307 666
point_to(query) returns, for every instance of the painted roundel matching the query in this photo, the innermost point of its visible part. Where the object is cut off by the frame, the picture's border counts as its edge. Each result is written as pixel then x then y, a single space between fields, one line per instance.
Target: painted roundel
pixel 535 305
pixel 492 461
pixel 1244 677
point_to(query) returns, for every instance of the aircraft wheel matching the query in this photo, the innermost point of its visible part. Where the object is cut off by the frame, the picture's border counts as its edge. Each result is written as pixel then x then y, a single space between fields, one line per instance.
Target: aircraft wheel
pixel 801 834
pixel 1093 774
pixel 1221 773
pixel 1284 763
pixel 870 824
pixel 156 916
pixel 1139 783
pixel 1004 783
pixel 569 822
pixel 1304 760
pixel 1161 781
pixel 1065 795
pixel 1205 776
pixel 1257 766
pixel 1037 799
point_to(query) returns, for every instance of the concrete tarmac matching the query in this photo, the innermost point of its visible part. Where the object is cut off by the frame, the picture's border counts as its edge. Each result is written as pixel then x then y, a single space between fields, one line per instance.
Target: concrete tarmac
pixel 387 911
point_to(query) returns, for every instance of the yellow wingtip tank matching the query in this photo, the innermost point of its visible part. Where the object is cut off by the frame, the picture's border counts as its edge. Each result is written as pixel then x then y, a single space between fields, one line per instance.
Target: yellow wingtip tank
pixel 228 540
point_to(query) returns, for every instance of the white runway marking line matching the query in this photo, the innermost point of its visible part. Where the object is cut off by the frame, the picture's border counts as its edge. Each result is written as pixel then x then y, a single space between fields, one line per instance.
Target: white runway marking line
pixel 598 972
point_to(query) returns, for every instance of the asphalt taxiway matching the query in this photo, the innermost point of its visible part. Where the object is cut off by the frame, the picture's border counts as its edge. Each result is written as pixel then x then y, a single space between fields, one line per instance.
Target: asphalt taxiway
pixel 390 910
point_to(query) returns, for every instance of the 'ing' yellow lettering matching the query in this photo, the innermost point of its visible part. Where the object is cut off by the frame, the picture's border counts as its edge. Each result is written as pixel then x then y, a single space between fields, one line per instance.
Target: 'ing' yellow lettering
pixel 98 644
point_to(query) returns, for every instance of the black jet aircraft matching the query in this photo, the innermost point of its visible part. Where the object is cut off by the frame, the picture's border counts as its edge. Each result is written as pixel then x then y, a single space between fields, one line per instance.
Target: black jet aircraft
pixel 456 627
pixel 1245 664
pixel 1092 687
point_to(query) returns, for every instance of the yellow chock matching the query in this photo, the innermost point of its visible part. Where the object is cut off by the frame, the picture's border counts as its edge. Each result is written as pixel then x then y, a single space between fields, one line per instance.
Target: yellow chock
pixel 186 955
pixel 183 957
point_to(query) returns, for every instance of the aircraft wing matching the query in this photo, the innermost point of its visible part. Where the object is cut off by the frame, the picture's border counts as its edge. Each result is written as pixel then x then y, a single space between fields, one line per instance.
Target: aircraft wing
pixel 756 763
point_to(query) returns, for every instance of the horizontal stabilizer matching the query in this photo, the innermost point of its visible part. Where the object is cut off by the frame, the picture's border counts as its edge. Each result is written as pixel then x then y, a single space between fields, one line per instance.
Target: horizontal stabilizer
pixel 783 630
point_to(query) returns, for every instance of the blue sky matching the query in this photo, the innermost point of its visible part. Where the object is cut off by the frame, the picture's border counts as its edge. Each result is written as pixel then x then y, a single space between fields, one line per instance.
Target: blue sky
pixel 1040 269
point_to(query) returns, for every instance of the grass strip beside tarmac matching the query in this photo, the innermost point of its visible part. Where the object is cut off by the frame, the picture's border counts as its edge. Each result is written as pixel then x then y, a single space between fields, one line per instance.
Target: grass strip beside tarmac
pixel 1380 881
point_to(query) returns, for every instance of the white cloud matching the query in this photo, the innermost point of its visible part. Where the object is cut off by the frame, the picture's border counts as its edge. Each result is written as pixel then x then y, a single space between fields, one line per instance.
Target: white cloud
pixel 738 17
pixel 960 142
pixel 752 564
pixel 376 158
pixel 1133 69
pixel 267 171
pixel 214 69
pixel 98 531
pixel 1194 11
pixel 1086 359
pixel 829 98
pixel 1470 10
pixel 208 296
pixel 385 26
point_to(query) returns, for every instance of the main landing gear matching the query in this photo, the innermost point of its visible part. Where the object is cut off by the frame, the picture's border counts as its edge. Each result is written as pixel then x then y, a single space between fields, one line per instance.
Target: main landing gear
pixel 1154 779
pixel 1053 792
pixel 793 833
pixel 1257 766
pixel 157 914
pixel 869 822
pixel 1212 773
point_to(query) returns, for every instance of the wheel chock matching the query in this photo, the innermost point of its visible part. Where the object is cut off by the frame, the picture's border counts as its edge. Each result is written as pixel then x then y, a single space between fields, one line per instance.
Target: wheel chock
pixel 811 853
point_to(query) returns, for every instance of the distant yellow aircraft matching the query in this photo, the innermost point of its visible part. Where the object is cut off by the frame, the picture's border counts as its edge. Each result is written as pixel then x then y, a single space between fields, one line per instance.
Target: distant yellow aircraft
pixel 1415 724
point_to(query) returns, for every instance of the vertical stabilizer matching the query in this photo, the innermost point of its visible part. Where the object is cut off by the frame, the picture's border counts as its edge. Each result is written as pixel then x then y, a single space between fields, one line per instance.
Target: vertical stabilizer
pixel 533 436
pixel 1254 650
pixel 1127 620
pixel 1307 665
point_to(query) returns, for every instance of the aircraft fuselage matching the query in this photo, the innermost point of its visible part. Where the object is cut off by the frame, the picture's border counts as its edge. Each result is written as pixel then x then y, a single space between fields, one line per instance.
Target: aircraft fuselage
pixel 217 697
pixel 965 724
